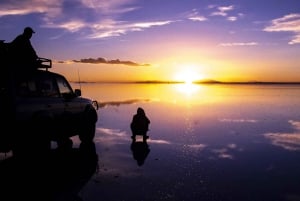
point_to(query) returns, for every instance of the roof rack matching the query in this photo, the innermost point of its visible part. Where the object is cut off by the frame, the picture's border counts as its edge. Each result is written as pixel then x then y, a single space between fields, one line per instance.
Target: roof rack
pixel 44 63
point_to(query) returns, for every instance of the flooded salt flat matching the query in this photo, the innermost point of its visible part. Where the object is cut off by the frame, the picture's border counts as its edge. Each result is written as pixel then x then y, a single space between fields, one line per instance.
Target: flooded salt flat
pixel 207 142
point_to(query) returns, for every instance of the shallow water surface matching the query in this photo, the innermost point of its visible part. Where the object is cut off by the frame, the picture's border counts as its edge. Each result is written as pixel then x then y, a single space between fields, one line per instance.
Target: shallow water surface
pixel 207 142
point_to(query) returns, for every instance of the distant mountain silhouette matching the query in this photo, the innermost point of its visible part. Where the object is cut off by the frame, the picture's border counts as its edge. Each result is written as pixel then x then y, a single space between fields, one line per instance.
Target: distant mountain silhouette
pixel 207 81
pixel 247 82
pixel 211 81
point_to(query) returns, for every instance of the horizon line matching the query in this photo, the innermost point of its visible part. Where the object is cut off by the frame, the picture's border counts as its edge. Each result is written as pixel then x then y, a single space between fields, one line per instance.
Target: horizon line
pixel 194 82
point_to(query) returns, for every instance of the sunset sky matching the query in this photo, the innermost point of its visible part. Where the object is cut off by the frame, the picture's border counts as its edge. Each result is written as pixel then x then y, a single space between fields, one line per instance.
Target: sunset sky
pixel 136 40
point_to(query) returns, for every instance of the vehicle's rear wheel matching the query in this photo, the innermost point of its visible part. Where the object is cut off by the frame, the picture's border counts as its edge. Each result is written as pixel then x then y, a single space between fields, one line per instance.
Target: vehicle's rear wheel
pixel 64 144
pixel 33 138
pixel 31 146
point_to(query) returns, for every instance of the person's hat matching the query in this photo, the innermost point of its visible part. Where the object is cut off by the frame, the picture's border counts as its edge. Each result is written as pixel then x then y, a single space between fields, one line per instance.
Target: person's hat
pixel 28 30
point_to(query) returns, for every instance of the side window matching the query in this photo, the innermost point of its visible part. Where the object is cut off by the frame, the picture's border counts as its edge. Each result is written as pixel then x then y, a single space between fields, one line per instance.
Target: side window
pixel 41 86
pixel 47 88
pixel 63 86
pixel 27 89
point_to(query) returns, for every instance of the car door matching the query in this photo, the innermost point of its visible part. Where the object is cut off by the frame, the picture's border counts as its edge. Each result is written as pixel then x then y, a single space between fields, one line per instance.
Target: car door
pixel 38 95
pixel 72 103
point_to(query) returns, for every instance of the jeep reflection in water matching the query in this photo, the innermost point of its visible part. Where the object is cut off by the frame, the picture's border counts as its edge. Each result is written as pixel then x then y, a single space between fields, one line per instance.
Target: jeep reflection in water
pixel 40 106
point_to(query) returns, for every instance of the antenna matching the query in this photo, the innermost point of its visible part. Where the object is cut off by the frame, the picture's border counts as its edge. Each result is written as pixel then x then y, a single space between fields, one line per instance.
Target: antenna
pixel 79 79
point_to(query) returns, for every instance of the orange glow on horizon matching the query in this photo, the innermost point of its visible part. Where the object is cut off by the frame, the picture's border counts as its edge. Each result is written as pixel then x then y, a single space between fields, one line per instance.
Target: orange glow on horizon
pixel 184 72
pixel 188 74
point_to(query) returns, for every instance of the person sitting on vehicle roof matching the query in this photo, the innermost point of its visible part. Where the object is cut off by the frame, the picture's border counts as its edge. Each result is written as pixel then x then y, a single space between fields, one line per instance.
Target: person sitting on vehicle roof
pixel 23 51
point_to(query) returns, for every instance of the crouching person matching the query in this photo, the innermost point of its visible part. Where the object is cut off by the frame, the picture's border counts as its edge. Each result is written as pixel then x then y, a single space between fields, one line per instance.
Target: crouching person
pixel 140 124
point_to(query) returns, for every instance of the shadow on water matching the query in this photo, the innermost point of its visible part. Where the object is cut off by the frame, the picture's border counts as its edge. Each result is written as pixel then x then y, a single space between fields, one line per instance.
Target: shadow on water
pixel 59 175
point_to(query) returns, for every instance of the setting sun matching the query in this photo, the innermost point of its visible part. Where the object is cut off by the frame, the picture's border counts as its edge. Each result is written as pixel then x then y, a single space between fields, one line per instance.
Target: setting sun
pixel 187 76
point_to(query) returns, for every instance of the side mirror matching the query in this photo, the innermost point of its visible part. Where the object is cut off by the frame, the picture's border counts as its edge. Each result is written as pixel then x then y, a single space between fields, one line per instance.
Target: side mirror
pixel 77 92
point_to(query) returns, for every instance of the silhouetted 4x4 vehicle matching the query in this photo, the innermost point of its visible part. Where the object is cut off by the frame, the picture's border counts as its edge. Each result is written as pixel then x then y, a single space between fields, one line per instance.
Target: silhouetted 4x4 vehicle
pixel 40 106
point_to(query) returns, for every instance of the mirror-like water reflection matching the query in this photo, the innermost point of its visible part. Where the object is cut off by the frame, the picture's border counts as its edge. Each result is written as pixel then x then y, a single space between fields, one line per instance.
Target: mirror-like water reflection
pixel 206 142
pixel 209 142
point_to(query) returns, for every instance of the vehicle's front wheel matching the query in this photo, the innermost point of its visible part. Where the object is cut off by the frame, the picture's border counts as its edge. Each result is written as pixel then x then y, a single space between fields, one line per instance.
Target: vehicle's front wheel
pixel 88 127
pixel 87 132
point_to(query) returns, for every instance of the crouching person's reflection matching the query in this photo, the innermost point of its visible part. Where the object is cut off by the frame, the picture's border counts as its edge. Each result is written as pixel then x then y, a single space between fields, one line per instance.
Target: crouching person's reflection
pixel 140 151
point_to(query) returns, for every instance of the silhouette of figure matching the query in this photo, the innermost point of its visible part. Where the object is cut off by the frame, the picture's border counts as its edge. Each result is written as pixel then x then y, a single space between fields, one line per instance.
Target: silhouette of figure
pixel 23 51
pixel 140 124
pixel 140 151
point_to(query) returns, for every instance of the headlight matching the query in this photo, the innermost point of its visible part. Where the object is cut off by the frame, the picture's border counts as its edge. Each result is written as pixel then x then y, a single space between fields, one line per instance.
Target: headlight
pixel 95 104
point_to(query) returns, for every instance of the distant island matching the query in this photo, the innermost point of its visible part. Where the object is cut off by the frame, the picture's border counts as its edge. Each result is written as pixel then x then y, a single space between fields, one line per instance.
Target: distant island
pixel 246 82
pixel 211 82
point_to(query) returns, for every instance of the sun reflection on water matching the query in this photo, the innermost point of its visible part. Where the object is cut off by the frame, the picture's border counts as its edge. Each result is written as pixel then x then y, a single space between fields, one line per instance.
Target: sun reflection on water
pixel 188 89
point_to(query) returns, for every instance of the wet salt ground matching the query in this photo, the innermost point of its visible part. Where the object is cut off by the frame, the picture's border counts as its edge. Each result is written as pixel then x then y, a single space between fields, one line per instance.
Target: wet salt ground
pixel 110 172
pixel 181 174
pixel 58 175
pixel 245 149
pixel 242 167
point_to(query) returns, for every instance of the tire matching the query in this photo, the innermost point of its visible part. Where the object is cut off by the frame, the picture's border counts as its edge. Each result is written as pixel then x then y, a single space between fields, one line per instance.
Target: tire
pixel 88 128
pixel 33 138
pixel 87 133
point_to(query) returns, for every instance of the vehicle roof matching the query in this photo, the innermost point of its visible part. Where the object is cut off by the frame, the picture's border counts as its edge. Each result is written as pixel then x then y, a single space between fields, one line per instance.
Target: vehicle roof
pixel 46 72
pixel 36 74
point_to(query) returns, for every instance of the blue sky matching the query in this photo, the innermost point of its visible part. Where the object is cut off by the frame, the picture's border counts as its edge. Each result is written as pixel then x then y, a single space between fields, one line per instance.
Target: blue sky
pixel 241 40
